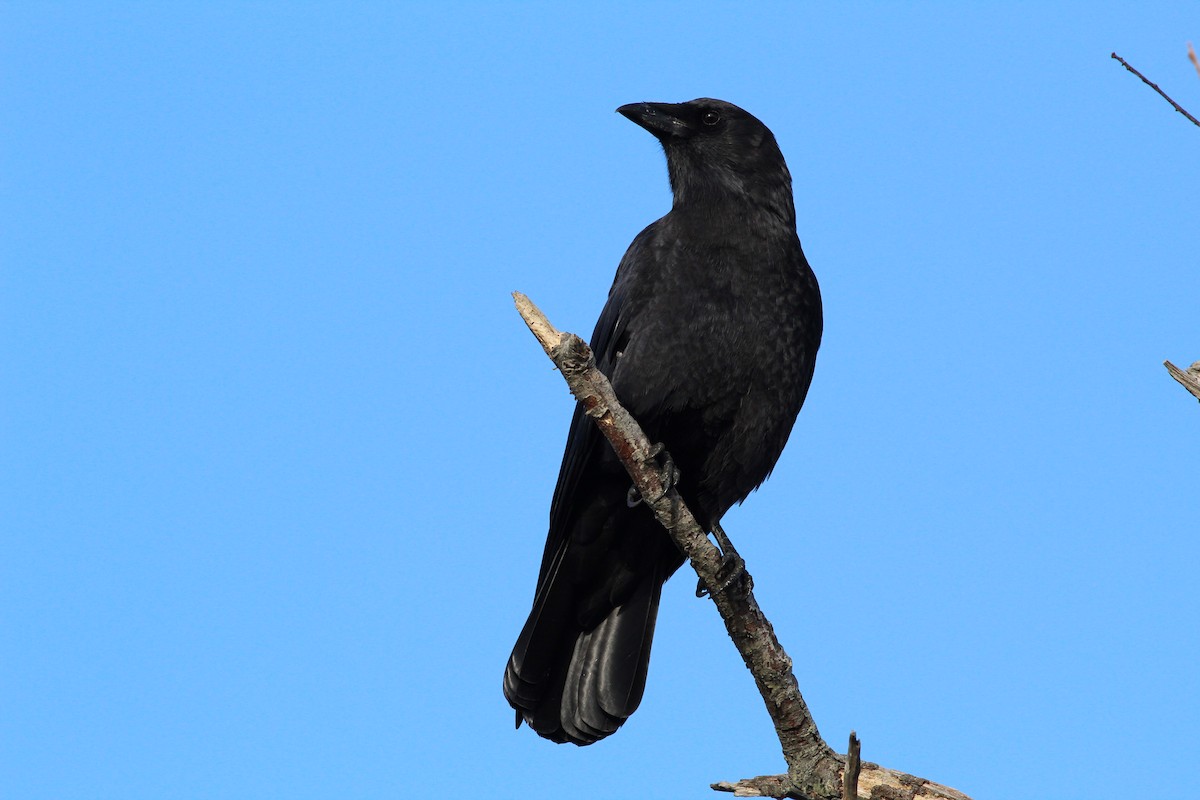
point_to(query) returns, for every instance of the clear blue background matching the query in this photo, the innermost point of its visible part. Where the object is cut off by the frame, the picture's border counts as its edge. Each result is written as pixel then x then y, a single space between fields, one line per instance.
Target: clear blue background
pixel 277 452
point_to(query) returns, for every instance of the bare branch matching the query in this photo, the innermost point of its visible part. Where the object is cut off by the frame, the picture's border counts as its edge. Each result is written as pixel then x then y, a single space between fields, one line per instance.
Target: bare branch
pixel 1154 86
pixel 814 769
pixel 1189 379
pixel 1192 57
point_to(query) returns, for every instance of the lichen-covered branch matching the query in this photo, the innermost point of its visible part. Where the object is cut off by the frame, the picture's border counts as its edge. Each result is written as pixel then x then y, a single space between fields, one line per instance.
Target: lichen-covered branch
pixel 814 770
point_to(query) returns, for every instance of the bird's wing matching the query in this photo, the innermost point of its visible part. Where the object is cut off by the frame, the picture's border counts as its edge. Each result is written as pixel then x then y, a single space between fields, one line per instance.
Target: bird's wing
pixel 586 446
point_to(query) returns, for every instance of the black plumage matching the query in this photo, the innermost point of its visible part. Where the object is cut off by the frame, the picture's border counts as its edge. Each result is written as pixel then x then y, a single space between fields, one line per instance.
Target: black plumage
pixel 709 337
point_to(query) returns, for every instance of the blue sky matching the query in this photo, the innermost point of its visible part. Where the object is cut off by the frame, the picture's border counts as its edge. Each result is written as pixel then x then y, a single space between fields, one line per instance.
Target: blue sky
pixel 278 453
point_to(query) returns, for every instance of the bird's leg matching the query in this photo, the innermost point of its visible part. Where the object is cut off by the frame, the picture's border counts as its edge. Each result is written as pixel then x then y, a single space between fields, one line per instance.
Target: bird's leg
pixel 668 476
pixel 733 567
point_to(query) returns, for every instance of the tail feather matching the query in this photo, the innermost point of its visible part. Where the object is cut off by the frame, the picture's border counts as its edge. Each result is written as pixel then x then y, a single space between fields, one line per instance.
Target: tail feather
pixel 625 641
pixel 533 656
pixel 576 685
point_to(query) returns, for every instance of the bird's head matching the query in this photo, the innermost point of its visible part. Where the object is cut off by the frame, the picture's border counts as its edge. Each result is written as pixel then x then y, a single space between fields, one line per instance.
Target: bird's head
pixel 715 148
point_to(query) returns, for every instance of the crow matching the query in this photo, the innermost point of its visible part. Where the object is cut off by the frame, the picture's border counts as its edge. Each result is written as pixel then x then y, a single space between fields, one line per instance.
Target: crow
pixel 709 337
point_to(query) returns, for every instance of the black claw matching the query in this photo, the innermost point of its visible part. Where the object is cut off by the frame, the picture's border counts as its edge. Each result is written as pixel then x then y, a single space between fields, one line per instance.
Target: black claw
pixel 633 498
pixel 668 477
pixel 732 569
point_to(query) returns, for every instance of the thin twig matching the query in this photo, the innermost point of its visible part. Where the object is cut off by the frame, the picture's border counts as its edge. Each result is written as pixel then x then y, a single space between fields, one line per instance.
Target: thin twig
pixel 1192 57
pixel 1154 86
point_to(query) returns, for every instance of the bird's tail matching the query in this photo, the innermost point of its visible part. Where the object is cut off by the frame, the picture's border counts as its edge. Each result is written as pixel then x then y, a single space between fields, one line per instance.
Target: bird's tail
pixel 573 683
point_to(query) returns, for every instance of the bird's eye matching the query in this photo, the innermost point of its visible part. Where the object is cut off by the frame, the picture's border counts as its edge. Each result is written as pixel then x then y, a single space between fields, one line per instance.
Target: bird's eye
pixel 711 118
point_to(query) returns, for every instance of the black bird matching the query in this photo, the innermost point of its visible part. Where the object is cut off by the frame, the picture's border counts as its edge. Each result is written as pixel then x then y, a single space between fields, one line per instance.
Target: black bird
pixel 709 337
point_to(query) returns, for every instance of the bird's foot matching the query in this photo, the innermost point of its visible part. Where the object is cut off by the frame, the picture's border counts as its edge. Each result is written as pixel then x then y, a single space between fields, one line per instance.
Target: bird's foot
pixel 732 569
pixel 668 476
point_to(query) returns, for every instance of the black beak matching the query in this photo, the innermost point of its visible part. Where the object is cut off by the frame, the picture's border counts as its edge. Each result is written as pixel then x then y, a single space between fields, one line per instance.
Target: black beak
pixel 664 120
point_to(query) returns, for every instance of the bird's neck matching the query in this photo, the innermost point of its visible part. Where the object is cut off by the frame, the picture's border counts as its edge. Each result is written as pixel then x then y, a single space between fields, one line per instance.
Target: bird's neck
pixel 729 195
pixel 720 204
